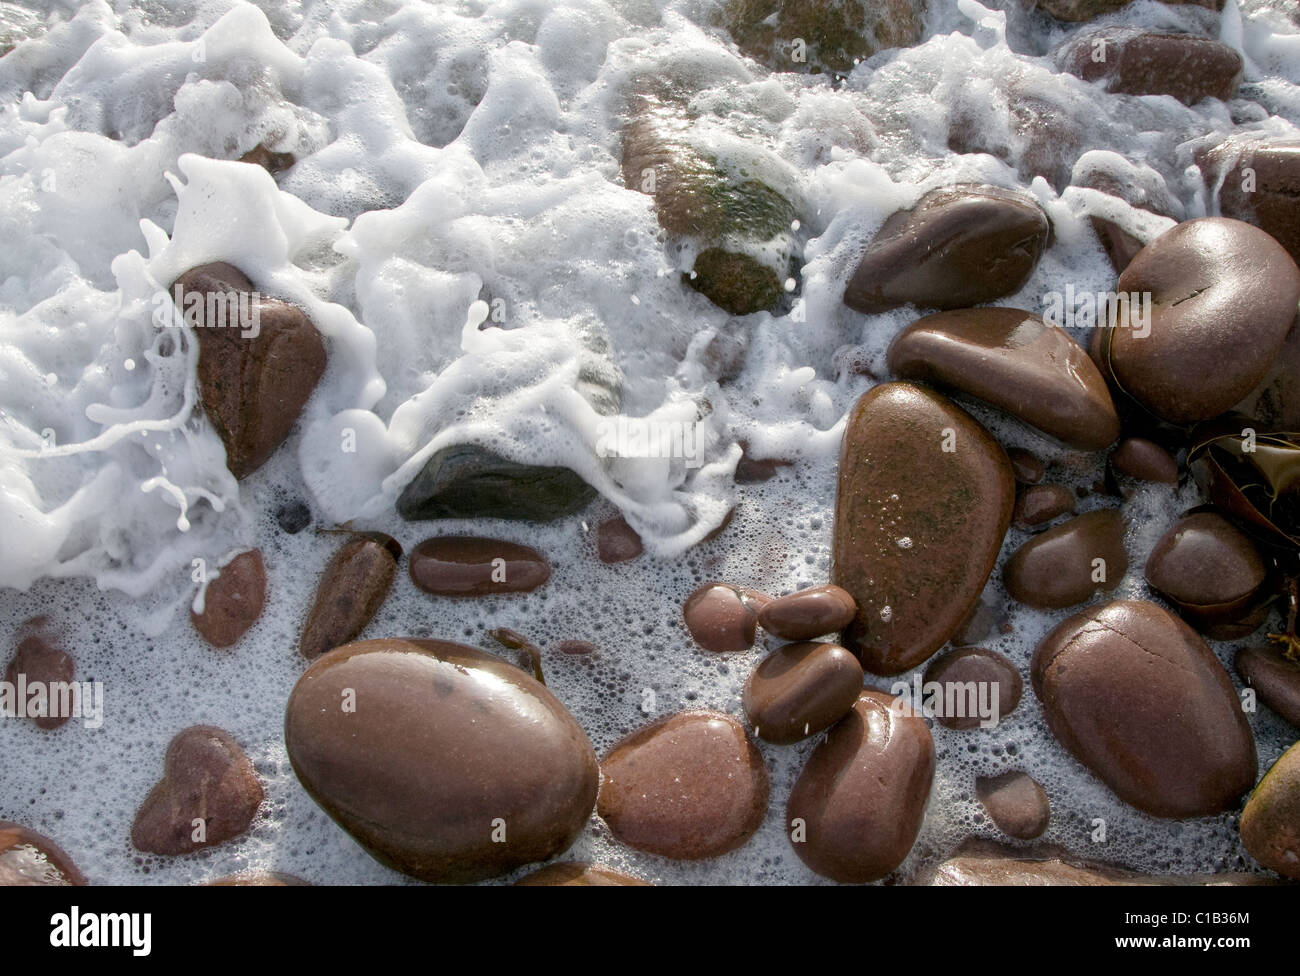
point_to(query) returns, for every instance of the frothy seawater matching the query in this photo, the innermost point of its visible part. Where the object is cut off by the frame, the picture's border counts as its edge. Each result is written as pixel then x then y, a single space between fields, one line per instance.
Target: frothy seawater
pixel 458 229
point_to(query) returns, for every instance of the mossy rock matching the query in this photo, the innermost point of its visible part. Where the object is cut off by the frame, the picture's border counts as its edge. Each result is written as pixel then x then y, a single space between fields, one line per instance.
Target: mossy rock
pixel 741 224
pixel 737 282
pixel 836 34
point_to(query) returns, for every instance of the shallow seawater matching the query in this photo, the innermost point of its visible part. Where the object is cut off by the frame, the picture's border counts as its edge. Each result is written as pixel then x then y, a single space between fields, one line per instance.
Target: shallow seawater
pixel 455 153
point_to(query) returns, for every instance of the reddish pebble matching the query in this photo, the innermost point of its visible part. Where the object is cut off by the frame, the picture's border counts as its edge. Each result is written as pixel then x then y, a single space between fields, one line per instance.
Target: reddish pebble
pixel 1144 460
pixel 720 619
pixel 233 601
pixel 44 665
pixel 809 613
pixel 801 689
pixel 1039 504
pixel 576 647
pixel 1027 469
pixel 27 859
pixel 466 566
pixel 688 786
pixel 616 541
pixel 209 793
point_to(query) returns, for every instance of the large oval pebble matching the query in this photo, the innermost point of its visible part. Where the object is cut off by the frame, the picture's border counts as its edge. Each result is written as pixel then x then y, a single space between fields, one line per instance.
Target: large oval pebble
pixel 924 499
pixel 1223 297
pixel 688 786
pixel 1136 696
pixel 443 761
pixel 857 807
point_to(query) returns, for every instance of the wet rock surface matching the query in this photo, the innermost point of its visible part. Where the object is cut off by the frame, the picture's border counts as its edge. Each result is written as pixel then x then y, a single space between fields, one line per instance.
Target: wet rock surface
pixel 209 794
pixel 917 527
pixel 1016 802
pixel 1137 457
pixel 468 566
pixel 959 246
pixel 688 786
pixel 1131 61
pixel 1259 182
pixel 720 618
pixel 1039 504
pixel 1136 696
pixel 259 361
pixel 1270 823
pixel 979 687
pixel 40 661
pixel 808 613
pixel 29 859
pixel 1274 676
pixel 1224 297
pixel 351 591
pixel 801 689
pixel 835 35
pixel 1069 563
pixel 452 765
pixel 468 481
pixel 862 794
pixel 233 601
pixel 1015 361
pixel 1208 568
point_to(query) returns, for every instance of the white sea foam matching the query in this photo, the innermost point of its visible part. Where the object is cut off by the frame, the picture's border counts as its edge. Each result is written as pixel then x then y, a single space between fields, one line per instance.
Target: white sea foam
pixel 457 159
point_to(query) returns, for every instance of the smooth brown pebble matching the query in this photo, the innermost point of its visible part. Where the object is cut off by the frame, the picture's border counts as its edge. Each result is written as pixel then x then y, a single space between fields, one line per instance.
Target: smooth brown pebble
pixel 47 666
pixel 1135 695
pixel 808 613
pixel 1068 564
pixel 1028 470
pixel 209 793
pixel 1017 804
pixel 720 619
pixel 443 761
pixel 800 689
pixel 1275 678
pixel 469 566
pixel 922 504
pixel 688 786
pixel 976 686
pixel 351 591
pixel 616 541
pixel 233 601
pixel 1208 568
pixel 1039 504
pixel 1137 457
pixel 857 807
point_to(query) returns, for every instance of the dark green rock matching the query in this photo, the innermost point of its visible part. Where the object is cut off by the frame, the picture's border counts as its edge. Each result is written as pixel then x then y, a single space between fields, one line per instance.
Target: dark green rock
pixel 468 481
